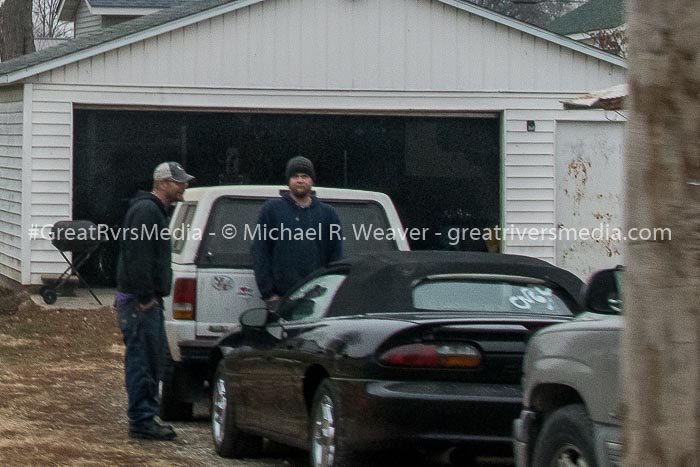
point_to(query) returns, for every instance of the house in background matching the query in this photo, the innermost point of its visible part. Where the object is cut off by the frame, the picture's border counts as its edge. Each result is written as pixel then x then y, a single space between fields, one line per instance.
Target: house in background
pixel 89 16
pixel 595 23
pixel 451 109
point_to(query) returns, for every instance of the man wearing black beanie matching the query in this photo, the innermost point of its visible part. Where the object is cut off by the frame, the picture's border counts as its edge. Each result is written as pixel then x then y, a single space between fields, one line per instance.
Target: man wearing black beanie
pixel 297 234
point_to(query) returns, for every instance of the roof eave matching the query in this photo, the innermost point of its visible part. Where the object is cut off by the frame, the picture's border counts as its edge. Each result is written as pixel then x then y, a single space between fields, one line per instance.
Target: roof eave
pixel 110 11
pixel 537 32
pixel 67 13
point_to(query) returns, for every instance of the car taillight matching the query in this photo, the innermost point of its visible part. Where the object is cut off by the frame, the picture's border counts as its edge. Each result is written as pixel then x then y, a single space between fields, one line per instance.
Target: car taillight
pixel 448 355
pixel 185 299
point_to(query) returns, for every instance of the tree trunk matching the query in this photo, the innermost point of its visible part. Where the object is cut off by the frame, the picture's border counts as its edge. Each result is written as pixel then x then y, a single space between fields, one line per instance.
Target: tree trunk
pixel 661 344
pixel 16 29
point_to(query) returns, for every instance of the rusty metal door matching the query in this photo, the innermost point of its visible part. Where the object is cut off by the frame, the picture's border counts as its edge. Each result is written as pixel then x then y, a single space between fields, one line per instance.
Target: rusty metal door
pixel 589 198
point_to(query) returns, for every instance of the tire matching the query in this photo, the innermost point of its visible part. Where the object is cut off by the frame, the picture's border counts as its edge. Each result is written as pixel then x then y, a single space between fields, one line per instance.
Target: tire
pixel 229 441
pixel 171 407
pixel 328 442
pixel 566 439
pixel 48 294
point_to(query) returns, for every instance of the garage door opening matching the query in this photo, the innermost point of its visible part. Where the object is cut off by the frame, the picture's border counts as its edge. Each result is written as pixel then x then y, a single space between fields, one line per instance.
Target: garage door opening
pixel 441 172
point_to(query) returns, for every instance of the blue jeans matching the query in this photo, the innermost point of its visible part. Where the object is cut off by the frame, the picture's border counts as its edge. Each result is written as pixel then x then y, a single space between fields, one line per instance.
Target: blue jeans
pixel 144 358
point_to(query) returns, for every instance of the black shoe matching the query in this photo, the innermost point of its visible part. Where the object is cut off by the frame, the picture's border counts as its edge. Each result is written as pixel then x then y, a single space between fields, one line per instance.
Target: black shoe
pixel 152 430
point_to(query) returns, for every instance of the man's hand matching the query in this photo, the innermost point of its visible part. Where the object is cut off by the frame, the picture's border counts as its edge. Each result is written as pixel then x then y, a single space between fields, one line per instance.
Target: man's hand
pixel 272 301
pixel 147 306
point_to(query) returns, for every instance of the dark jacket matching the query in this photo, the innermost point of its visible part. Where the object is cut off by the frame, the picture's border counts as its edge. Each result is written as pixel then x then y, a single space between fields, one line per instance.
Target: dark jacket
pixel 280 263
pixel 143 268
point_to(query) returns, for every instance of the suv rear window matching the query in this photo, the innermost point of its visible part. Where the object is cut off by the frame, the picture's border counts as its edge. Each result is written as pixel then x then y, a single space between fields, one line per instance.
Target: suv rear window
pixel 242 213
pixel 181 226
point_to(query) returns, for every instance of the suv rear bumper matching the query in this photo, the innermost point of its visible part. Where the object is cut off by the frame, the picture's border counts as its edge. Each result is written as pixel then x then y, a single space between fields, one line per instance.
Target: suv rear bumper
pixel 196 351
pixel 192 370
pixel 184 345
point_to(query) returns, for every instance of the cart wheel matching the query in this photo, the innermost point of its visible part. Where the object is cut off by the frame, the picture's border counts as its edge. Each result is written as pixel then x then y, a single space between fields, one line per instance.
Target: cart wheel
pixel 48 294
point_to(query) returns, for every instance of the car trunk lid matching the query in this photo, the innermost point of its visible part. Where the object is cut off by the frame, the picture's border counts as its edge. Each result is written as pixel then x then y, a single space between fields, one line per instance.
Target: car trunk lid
pixel 498 345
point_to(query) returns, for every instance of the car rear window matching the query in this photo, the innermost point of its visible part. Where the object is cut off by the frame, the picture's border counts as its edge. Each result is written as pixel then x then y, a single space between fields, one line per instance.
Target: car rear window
pixel 237 214
pixel 489 296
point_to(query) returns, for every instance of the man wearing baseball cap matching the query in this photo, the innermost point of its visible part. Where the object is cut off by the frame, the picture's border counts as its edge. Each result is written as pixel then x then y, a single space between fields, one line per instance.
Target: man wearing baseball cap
pixel 279 263
pixel 144 277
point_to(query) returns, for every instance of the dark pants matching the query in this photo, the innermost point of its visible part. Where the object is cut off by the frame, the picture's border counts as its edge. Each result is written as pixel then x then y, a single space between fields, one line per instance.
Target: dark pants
pixel 144 338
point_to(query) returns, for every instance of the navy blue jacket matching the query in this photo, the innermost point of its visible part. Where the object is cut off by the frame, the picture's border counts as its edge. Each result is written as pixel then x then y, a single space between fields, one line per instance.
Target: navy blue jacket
pixel 291 242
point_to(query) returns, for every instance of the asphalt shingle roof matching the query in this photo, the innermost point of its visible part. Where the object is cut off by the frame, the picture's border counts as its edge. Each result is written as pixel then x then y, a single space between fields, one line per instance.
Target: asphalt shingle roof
pixel 592 16
pixel 118 31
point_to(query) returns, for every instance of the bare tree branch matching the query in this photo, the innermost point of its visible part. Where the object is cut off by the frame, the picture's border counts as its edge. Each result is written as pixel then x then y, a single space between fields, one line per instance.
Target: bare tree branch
pixel 612 40
pixel 46 23
pixel 539 12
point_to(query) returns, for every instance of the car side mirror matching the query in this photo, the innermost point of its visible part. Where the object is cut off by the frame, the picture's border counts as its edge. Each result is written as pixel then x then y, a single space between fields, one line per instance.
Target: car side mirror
pixel 255 318
pixel 603 292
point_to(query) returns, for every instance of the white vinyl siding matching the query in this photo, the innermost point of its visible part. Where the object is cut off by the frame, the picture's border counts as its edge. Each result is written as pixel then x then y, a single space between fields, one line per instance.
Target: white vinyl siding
pixel 335 44
pixel 51 178
pixel 11 143
pixel 86 22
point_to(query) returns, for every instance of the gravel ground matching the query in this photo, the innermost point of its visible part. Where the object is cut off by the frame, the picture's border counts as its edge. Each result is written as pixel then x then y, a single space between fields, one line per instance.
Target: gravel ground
pixel 63 402
pixel 62 398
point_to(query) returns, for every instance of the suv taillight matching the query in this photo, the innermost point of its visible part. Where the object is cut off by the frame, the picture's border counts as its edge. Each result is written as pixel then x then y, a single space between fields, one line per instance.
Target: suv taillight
pixel 185 299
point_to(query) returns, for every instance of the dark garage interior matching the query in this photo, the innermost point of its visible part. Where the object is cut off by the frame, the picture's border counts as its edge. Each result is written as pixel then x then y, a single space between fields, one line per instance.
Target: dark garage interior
pixel 441 171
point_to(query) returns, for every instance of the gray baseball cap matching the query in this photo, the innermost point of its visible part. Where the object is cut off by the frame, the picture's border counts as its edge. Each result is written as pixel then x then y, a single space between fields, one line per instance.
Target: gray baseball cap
pixel 172 171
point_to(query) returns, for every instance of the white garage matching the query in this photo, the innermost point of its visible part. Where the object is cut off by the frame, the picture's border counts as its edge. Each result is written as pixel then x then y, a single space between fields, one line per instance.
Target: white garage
pixel 398 95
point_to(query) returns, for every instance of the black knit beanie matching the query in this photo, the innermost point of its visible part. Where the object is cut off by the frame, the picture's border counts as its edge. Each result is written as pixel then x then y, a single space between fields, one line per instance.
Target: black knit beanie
pixel 302 165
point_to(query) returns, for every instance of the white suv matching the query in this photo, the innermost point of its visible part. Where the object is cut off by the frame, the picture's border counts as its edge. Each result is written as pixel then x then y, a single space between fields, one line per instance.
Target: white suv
pixel 213 281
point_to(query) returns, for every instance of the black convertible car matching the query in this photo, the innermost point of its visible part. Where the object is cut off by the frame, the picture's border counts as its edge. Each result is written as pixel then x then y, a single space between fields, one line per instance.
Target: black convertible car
pixel 420 348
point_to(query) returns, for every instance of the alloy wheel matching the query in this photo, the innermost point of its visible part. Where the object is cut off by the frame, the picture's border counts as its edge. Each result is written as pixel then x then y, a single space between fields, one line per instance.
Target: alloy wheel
pixel 323 441
pixel 569 456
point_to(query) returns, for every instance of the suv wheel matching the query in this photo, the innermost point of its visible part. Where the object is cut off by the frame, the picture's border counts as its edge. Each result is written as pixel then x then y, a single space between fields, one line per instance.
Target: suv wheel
pixel 566 439
pixel 171 407
pixel 229 441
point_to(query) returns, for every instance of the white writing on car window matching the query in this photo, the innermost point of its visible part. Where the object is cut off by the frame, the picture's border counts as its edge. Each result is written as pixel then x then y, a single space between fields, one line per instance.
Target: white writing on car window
pixel 530 297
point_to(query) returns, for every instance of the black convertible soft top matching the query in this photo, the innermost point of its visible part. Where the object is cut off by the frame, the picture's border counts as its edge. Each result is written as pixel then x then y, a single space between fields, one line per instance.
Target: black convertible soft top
pixel 382 282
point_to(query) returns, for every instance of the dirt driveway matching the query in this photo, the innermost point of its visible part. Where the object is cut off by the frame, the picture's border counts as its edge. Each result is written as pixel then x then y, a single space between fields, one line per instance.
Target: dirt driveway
pixel 62 399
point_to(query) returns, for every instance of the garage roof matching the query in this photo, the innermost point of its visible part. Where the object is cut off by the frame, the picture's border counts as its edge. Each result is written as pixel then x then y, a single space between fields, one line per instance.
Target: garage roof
pixel 170 19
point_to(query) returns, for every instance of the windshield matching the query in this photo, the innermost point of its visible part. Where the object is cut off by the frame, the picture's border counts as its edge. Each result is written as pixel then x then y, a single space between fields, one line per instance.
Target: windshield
pixel 489 296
